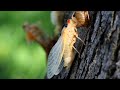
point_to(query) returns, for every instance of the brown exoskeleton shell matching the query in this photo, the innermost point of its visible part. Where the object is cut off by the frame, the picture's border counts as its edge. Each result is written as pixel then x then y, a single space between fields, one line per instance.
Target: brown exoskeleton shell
pixel 81 17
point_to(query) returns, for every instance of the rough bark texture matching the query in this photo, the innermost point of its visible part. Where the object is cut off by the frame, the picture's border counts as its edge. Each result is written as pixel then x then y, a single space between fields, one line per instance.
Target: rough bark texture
pixel 100 56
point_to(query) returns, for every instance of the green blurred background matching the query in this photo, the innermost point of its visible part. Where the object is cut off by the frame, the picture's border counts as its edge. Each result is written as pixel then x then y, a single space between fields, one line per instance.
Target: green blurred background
pixel 18 59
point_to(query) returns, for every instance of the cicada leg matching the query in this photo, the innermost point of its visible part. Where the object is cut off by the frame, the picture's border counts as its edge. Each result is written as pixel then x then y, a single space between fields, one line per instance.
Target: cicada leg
pixel 81 40
pixel 76 51
pixel 76 35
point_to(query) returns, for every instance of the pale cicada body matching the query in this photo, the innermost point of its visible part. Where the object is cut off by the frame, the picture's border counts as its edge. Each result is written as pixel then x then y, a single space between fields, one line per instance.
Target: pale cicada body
pixel 70 35
pixel 62 53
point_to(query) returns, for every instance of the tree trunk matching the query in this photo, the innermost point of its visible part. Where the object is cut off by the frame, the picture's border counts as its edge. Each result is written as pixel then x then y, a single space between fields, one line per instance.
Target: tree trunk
pixel 100 56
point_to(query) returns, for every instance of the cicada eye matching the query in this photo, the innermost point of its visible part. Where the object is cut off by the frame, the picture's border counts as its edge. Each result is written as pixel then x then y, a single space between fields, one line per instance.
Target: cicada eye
pixel 65 25
pixel 68 21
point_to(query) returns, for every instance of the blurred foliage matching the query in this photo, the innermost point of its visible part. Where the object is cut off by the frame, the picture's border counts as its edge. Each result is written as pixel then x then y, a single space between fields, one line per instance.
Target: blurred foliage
pixel 18 59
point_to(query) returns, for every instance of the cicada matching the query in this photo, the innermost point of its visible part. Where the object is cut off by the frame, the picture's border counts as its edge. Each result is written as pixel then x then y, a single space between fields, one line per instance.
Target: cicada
pixel 62 54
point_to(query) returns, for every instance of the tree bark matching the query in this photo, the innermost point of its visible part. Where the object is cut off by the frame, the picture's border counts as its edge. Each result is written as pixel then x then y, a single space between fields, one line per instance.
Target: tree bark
pixel 100 56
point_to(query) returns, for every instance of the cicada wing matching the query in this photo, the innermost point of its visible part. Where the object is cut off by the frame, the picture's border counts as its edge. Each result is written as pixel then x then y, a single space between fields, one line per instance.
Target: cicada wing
pixel 60 67
pixel 54 58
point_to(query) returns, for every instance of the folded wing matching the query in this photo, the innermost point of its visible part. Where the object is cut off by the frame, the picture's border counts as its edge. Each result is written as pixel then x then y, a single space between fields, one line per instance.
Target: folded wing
pixel 55 64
